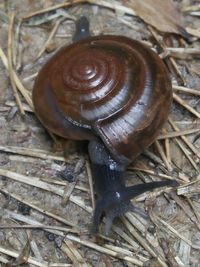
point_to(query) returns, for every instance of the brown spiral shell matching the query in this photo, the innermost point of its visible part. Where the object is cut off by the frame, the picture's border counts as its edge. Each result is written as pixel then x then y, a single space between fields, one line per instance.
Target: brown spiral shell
pixel 111 87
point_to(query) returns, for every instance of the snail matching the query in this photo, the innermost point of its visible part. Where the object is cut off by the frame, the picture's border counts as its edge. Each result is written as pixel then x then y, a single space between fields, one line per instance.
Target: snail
pixel 114 92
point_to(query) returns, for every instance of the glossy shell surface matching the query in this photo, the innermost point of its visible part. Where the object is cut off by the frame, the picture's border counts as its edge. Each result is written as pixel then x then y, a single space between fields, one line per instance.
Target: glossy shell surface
pixel 111 87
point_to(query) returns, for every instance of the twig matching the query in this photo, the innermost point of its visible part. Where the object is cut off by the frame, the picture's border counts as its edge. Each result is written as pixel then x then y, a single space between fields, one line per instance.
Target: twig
pixel 177 133
pixel 31 260
pixel 73 253
pixel 36 182
pixel 10 63
pixel 186 141
pixel 163 156
pixel 159 175
pixel 185 105
pixel 104 250
pixel 17 57
pixel 25 106
pixel 167 149
pixel 18 83
pixel 45 10
pixel 31 152
pixel 171 62
pixel 143 242
pixel 186 90
pixel 176 233
pixel 109 4
pixel 194 32
pixel 28 220
pixel 37 226
pixel 30 77
pixel 50 214
pixel 90 183
pixel 51 35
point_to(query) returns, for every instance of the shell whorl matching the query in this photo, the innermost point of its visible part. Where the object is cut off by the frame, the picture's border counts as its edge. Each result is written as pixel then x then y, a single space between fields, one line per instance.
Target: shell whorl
pixel 112 86
pixel 89 77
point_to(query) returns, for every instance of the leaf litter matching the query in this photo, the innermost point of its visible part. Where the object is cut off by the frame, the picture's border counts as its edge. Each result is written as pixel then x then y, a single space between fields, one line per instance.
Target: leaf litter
pixel 171 237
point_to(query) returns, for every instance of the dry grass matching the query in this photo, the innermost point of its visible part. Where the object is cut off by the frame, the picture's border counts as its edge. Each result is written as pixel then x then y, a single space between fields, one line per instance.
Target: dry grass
pixel 134 241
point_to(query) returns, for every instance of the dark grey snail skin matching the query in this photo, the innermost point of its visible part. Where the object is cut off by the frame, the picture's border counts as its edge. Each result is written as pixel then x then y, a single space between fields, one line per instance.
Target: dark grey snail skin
pixel 82 29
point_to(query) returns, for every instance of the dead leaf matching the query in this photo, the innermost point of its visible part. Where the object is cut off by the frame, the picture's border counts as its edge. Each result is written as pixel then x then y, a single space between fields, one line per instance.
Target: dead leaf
pixel 163 15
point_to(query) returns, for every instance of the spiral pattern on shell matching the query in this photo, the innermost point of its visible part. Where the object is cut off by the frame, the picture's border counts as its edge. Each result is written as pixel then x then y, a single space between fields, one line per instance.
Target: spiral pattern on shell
pixel 109 86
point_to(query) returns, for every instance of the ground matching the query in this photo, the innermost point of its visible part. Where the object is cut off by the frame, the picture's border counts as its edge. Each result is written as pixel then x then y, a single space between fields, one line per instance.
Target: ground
pixel 34 176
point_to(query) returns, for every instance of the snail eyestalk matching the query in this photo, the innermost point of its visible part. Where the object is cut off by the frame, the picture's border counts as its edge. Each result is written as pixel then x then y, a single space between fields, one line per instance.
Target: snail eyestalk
pixel 135 190
pixel 82 29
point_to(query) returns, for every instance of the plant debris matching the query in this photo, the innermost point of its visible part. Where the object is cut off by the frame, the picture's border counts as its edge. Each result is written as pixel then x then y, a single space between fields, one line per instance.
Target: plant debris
pixel 45 220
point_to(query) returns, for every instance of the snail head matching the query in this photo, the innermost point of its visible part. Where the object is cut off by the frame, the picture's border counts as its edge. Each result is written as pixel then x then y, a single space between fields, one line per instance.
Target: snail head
pixel 114 204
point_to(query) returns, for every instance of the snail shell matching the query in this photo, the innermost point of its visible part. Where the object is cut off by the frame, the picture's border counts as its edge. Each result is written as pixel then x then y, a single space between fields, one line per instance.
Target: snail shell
pixel 110 87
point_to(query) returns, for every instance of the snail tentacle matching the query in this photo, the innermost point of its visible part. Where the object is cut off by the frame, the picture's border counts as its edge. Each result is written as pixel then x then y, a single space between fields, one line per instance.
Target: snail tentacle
pixel 82 29
pixel 138 189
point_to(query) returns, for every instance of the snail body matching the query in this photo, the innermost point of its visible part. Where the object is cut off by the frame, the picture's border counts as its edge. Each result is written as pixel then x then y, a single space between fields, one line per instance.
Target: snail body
pixel 114 92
